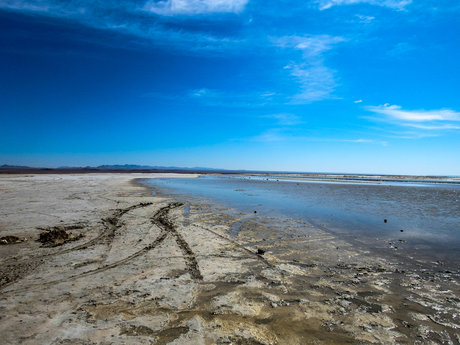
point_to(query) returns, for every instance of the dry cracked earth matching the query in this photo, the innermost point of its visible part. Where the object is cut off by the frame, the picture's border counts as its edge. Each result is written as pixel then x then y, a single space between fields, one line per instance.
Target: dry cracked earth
pixel 98 259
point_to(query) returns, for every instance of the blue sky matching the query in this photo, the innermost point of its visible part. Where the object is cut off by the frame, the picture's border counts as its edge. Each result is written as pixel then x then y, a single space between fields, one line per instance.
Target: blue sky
pixel 367 86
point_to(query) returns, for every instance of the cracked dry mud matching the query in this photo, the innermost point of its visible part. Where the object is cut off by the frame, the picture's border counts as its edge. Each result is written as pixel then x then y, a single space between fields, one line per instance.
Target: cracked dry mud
pixel 154 270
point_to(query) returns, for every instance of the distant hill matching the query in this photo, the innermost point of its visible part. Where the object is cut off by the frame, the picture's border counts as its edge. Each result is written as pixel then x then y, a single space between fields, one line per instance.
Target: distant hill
pixel 149 167
pixel 17 169
pixel 11 167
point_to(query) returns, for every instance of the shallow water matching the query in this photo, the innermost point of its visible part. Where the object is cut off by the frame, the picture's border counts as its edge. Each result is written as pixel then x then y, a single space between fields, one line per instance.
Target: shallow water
pixel 428 214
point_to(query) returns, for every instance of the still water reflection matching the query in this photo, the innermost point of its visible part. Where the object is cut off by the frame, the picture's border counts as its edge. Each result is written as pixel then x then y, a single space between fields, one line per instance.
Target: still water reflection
pixel 428 214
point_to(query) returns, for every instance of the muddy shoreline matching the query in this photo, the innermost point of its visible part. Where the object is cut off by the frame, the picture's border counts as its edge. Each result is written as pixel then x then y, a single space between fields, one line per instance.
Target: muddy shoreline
pixel 149 269
pixel 389 241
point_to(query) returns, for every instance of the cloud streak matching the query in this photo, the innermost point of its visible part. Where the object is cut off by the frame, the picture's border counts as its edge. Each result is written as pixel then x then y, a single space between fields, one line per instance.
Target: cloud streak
pixel 281 135
pixel 193 7
pixel 285 119
pixel 218 98
pixel 317 81
pixel 423 123
pixel 396 112
pixel 393 4
pixel 145 20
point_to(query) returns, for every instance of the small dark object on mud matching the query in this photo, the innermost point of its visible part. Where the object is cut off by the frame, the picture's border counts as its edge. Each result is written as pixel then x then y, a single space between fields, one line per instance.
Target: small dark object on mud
pixel 260 251
pixel 10 239
pixel 401 230
pixel 137 330
pixel 56 236
pixel 385 220
pixel 255 211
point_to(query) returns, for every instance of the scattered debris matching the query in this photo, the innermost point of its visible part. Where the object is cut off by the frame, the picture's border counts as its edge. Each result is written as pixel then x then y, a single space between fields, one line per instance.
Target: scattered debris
pixel 10 239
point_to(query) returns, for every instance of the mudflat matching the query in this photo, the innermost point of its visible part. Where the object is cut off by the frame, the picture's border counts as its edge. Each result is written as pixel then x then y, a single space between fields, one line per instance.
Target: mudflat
pixel 99 259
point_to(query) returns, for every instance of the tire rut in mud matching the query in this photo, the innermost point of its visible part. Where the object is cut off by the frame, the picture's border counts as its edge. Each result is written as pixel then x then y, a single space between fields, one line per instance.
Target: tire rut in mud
pixel 162 220
pixel 14 269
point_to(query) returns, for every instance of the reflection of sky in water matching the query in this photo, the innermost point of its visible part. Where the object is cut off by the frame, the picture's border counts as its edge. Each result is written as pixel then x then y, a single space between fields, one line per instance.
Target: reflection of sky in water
pixel 428 214
pixel 375 181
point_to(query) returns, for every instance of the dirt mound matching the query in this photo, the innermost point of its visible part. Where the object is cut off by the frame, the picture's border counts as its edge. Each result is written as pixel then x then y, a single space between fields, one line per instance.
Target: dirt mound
pixel 10 239
pixel 57 236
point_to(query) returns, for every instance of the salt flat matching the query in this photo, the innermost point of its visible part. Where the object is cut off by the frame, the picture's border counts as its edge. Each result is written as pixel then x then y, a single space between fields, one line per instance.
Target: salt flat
pixel 137 268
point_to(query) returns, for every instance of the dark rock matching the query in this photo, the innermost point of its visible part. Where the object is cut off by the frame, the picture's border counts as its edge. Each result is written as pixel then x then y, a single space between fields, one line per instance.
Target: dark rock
pixel 385 220
pixel 10 239
pixel 260 251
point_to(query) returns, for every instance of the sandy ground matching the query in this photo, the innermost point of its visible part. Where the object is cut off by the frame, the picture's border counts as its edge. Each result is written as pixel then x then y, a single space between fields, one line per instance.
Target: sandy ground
pixel 134 268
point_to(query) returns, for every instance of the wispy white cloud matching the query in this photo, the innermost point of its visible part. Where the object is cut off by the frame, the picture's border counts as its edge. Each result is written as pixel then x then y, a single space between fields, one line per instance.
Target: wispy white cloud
pixel 317 81
pixel 357 140
pixel 285 119
pixel 270 136
pixel 214 97
pixel 282 135
pixel 394 4
pixel 200 93
pixel 311 46
pixel 396 112
pixel 135 18
pixel 364 19
pixel 401 48
pixel 431 127
pixel 193 7
pixel 419 123
pixel 358 101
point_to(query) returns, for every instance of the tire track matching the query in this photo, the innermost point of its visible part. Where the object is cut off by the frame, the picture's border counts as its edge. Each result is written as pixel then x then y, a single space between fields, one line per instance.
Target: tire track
pixel 13 270
pixel 144 250
pixel 162 220
pixel 161 217
pixel 237 244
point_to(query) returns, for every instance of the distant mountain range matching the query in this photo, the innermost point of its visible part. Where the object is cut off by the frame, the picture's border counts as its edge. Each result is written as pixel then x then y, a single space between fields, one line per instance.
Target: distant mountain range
pixel 126 168
pixel 110 168
pixel 149 167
